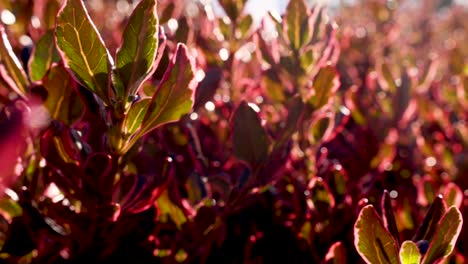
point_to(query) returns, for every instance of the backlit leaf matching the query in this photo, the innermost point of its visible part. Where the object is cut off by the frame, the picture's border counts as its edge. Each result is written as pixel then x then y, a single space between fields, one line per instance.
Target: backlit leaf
pixel 373 242
pixel 409 253
pixel 175 94
pixel 249 139
pixel 82 49
pixel 42 57
pixel 297 23
pixel 135 115
pixel 136 56
pixel 13 72
pixel 336 254
pixel 325 84
pixel 446 236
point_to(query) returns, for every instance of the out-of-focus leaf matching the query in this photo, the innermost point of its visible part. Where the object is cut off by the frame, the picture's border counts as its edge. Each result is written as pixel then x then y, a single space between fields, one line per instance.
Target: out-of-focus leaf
pixel 135 115
pixel 443 241
pixel 388 217
pixel 325 85
pixel 373 242
pixel 13 73
pixel 320 127
pixel 250 142
pixel 336 254
pixel 297 27
pixel 168 209
pixel 409 253
pixel 175 94
pixel 244 25
pixel 9 208
pixel 167 13
pixel 82 49
pixel 207 87
pixel 274 87
pixel 233 8
pixel 42 57
pixel 321 196
pixel 386 79
pixel 453 195
pixel 428 227
pixel 61 101
pixel 307 61
pixel 136 56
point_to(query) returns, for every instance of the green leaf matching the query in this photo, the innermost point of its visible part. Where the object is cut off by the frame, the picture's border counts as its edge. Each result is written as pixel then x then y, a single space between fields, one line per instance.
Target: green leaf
pixel 244 25
pixel 388 216
pixel 232 8
pixel 136 56
pixel 443 242
pixel 453 195
pixel 135 116
pixel 297 14
pixel 61 99
pixel 325 84
pixel 372 241
pixel 409 253
pixel 429 225
pixel 321 196
pixel 82 49
pixel 167 209
pixel 43 55
pixel 175 94
pixel 249 139
pixel 9 208
pixel 13 72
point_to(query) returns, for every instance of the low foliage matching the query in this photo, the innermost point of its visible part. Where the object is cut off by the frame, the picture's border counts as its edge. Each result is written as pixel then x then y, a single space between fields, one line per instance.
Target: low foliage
pixel 163 133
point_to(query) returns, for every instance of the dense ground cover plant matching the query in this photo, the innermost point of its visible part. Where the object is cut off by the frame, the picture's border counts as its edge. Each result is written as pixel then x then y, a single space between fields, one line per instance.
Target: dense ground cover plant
pixel 159 132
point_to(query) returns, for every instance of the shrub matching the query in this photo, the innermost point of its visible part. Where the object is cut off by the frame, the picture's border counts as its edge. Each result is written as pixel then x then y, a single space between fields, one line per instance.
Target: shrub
pixel 247 143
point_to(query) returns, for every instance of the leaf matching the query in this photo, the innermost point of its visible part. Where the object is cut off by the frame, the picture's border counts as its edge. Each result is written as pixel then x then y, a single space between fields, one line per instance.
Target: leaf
pixel 409 253
pixel 249 139
pixel 82 49
pixel 325 84
pixel 61 101
pixel 13 72
pixel 297 28
pixel 372 241
pixel 388 217
pixel 321 197
pixel 453 195
pixel 9 208
pixel 443 242
pixel 429 225
pixel 135 115
pixel 232 8
pixel 336 254
pixel 175 94
pixel 136 56
pixel 167 209
pixel 43 55
pixel 244 25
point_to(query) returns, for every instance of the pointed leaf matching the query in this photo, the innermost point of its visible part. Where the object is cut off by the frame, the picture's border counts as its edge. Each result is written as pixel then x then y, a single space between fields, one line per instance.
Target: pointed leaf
pixel 43 55
pixel 388 217
pixel 372 241
pixel 445 237
pixel 297 23
pixel 429 225
pixel 136 56
pixel 82 49
pixel 325 84
pixel 453 195
pixel 409 253
pixel 232 8
pixel 175 95
pixel 12 72
pixel 249 139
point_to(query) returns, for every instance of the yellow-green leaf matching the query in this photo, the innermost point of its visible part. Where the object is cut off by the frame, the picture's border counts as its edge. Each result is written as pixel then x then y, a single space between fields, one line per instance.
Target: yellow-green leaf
pixel 82 49
pixel 372 241
pixel 12 71
pixel 409 253
pixel 136 56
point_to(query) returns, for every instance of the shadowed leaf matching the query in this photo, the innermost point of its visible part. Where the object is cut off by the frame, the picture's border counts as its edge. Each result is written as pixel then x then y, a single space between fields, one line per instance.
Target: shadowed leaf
pixel 373 242
pixel 82 49
pixel 388 217
pixel 429 225
pixel 249 139
pixel 446 236
pixel 336 254
pixel 136 56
